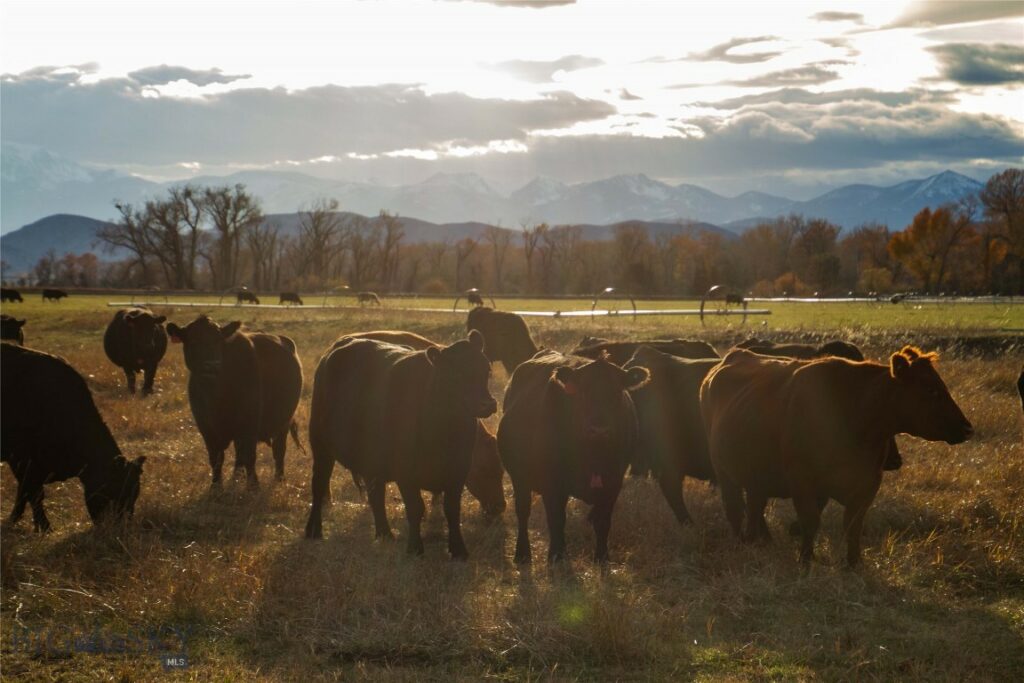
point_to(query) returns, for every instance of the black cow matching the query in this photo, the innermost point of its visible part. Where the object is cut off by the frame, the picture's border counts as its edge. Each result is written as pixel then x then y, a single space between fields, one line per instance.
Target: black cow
pixel 621 351
pixel 243 387
pixel 245 296
pixel 389 413
pixel 54 295
pixel 368 298
pixel 52 432
pixel 11 329
pixel 568 429
pixel 135 341
pixel 671 442
pixel 736 299
pixel 474 298
pixel 290 298
pixel 12 295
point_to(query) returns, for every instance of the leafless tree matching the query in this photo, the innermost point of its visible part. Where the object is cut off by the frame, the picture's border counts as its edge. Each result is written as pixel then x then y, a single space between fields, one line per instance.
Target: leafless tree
pixel 464 248
pixel 500 240
pixel 231 211
pixel 392 232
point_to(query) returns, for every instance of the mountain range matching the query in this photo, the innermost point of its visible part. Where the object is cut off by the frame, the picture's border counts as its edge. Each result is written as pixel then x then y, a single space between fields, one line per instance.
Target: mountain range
pixel 36 184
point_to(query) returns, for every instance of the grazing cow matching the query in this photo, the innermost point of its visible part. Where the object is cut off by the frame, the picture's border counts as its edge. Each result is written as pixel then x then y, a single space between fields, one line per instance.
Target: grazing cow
pixel 243 387
pixel 290 298
pixel 817 430
pixel 389 413
pixel 671 442
pixel 474 298
pixel 11 295
pixel 485 472
pixel 135 341
pixel 620 352
pixel 736 299
pixel 245 296
pixel 11 329
pixel 568 429
pixel 52 432
pixel 507 339
pixel 54 295
pixel 368 298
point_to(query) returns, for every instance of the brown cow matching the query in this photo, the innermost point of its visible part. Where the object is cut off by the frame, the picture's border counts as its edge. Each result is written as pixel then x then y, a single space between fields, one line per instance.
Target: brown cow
pixel 484 481
pixel 388 413
pixel 621 351
pixel 817 430
pixel 671 441
pixel 568 429
pixel 507 339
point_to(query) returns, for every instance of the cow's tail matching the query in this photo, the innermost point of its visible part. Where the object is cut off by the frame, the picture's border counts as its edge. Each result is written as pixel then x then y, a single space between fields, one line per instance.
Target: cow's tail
pixel 293 429
pixel 360 484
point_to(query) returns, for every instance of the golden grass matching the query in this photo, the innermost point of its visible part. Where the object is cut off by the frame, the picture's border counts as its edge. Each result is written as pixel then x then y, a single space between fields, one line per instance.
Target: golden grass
pixel 940 596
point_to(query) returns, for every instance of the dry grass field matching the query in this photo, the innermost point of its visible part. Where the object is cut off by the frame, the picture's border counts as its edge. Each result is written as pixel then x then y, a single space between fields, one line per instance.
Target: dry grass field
pixel 940 595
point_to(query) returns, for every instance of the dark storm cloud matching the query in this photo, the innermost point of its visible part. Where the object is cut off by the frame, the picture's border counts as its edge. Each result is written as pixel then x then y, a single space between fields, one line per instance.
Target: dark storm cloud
pixel 110 121
pixel 978 64
pixel 839 16
pixel 543 71
pixel 722 52
pixel 165 73
pixel 930 13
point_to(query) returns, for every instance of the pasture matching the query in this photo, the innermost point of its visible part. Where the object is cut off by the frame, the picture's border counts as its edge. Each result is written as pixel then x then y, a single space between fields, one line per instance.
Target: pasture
pixel 940 595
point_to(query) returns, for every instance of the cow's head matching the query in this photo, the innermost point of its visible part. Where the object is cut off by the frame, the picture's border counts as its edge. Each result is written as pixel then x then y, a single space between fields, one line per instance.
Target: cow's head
pixel 116 494
pixel 203 342
pixel 841 349
pixel 462 371
pixel 10 329
pixel 145 330
pixel 922 400
pixel 486 473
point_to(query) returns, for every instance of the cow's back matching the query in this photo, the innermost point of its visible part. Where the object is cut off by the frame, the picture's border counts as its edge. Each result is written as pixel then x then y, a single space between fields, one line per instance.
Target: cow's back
pixel 622 351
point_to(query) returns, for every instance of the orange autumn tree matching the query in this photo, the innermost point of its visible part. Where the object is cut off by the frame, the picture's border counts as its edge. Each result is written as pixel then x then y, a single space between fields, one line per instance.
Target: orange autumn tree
pixel 927 246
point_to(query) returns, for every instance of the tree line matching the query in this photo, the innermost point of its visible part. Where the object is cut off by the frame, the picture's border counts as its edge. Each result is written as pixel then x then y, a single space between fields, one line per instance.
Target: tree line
pixel 217 238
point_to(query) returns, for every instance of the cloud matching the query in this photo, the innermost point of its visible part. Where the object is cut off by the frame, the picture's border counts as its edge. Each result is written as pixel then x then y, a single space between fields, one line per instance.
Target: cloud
pixel 930 13
pixel 977 64
pixel 626 95
pixel 543 72
pixel 721 52
pixel 811 74
pixel 839 16
pixel 802 96
pixel 110 121
pixel 165 73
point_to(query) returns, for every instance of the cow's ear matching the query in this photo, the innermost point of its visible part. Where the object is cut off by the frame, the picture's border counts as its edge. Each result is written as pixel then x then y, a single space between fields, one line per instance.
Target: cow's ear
pixel 636 377
pixel 139 462
pixel 160 319
pixel 433 353
pixel 476 340
pixel 20 323
pixel 230 328
pixel 898 365
pixel 563 377
pixel 176 334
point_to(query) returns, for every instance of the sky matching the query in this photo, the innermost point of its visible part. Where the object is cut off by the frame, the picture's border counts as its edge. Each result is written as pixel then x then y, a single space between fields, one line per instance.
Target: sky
pixel 791 98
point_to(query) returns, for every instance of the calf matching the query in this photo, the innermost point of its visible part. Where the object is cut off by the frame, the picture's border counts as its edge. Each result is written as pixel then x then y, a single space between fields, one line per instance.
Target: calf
pixel 54 295
pixel 568 430
pixel 621 351
pixel 817 430
pixel 389 413
pixel 290 298
pixel 135 341
pixel 507 339
pixel 243 387
pixel 368 298
pixel 52 432
pixel 11 329
pixel 245 296
pixel 671 442
pixel 11 295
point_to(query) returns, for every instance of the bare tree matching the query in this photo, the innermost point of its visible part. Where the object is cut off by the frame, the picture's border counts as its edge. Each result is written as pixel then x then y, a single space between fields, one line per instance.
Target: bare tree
pixel 464 248
pixel 500 240
pixel 232 211
pixel 129 233
pixel 392 233
pixel 531 237
pixel 363 243
pixel 263 241
pixel 320 241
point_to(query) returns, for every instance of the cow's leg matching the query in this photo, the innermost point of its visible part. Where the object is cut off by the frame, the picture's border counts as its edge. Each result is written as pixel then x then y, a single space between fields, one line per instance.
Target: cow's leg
pixel 414 509
pixel 279 444
pixel 809 515
pixel 524 500
pixel 35 497
pixel 216 461
pixel 601 517
pixel 323 467
pixel 794 528
pixel 757 528
pixel 671 483
pixel 452 513
pixel 148 377
pixel 554 508
pixel 853 521
pixel 20 501
pixel 375 494
pixel 732 499
pixel 245 454
pixel 130 376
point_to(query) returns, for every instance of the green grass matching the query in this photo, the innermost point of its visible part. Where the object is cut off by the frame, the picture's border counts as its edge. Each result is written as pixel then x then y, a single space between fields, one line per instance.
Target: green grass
pixel 940 597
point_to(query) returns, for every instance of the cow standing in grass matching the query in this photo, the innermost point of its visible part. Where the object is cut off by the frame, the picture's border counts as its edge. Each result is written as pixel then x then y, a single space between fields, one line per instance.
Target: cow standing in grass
pixel 244 296
pixel 136 341
pixel 507 338
pixel 243 387
pixel 368 298
pixel 290 298
pixel 11 295
pixel 568 430
pixel 389 413
pixel 12 329
pixel 52 432
pixel 54 295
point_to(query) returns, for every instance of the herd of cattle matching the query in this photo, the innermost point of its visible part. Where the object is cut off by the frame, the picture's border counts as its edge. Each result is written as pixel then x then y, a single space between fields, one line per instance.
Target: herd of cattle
pixel 809 423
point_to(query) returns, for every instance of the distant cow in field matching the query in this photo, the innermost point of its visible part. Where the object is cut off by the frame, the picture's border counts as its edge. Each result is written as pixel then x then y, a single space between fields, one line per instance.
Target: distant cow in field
pixel 736 299
pixel 621 351
pixel 507 339
pixel 671 441
pixel 11 329
pixel 389 413
pixel 368 298
pixel 135 341
pixel 54 294
pixel 817 430
pixel 245 296
pixel 474 298
pixel 484 481
pixel 11 295
pixel 568 429
pixel 290 298
pixel 52 432
pixel 243 387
